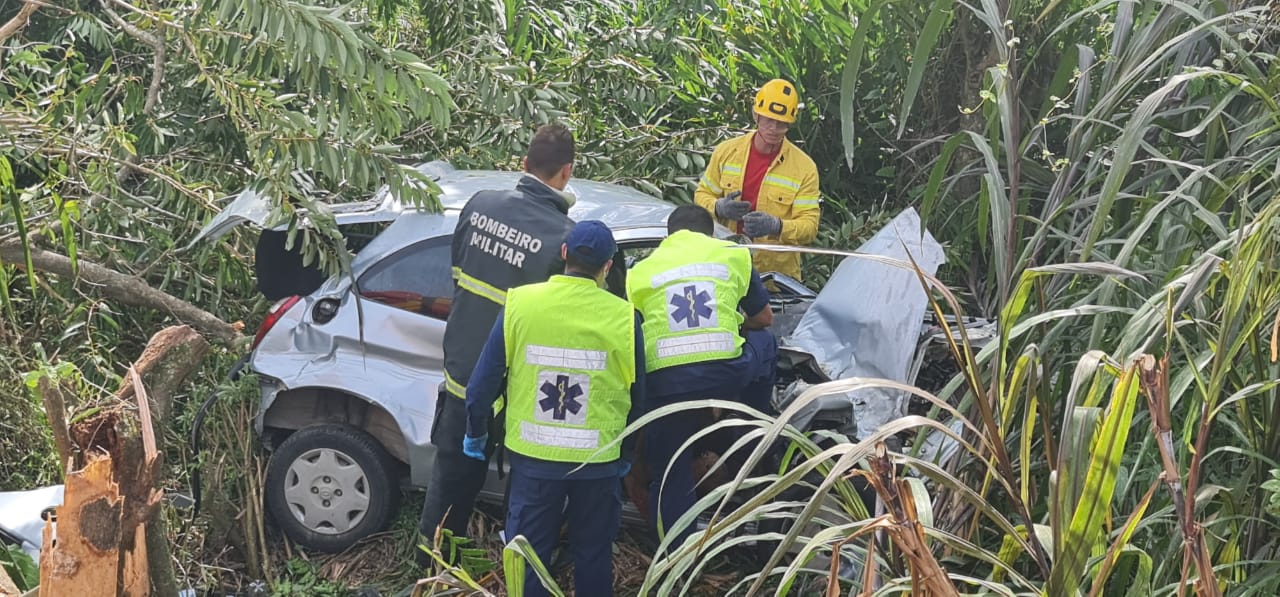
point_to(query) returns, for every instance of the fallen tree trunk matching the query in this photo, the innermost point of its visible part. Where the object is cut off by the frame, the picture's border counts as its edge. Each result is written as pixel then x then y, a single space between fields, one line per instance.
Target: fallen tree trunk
pixel 107 525
pixel 127 289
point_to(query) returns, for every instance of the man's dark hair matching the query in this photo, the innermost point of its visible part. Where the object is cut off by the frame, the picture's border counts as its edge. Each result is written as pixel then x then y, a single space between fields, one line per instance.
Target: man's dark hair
pixel 573 263
pixel 550 150
pixel 690 217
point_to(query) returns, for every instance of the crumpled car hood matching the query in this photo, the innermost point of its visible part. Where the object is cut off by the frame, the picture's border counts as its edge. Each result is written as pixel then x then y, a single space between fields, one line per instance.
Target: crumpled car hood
pixel 866 321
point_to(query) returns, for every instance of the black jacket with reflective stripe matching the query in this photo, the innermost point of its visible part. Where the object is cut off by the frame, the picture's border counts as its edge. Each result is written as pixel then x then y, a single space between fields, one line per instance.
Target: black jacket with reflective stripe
pixel 503 239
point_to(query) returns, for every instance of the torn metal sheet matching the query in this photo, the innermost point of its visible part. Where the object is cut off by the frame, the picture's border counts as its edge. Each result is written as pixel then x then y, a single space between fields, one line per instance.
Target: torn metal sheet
pixel 866 320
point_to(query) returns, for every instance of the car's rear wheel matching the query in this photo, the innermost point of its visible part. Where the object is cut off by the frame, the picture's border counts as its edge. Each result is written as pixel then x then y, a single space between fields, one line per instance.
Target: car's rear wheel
pixel 329 486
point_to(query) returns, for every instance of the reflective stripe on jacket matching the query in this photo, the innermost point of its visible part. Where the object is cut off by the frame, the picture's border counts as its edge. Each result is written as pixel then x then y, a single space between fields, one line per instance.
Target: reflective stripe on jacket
pixel 687 291
pixel 503 239
pixel 569 378
pixel 789 191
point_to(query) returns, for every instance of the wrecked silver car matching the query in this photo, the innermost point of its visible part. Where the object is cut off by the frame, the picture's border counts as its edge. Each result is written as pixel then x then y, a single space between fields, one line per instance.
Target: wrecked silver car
pixel 349 366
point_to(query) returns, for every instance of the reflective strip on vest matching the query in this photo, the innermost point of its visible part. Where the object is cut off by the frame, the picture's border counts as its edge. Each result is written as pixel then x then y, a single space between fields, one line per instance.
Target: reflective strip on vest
pixel 479 287
pixel 568 358
pixel 695 344
pixel 718 271
pixel 731 168
pixel 687 292
pixel 570 353
pixel 806 202
pixel 559 437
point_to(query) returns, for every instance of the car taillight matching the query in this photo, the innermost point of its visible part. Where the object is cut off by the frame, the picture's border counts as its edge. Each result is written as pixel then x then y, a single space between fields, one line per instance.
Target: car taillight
pixel 273 315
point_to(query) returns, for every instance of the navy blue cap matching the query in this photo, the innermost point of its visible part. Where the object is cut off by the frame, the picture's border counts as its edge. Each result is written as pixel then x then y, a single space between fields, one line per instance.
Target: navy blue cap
pixel 591 242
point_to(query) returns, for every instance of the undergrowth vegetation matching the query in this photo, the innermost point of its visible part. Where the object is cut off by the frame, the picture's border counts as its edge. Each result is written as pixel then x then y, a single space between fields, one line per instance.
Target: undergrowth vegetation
pixel 1104 177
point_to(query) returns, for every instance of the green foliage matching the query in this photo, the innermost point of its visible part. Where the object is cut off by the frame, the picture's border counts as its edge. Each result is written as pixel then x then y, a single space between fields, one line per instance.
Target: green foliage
pixel 456 563
pixel 160 111
pixel 516 556
pixel 19 566
pixel 651 88
pixel 1272 487
pixel 1102 174
pixel 470 558
pixel 299 579
pixel 1150 193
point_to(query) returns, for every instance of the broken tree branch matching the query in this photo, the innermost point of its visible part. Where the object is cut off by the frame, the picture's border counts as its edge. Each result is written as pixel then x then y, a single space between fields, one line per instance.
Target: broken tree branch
pixel 126 289
pixel 55 408
pixel 171 354
pixel 156 43
pixel 18 21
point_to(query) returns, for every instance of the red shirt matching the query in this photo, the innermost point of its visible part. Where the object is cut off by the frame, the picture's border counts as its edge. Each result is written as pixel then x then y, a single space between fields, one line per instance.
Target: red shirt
pixel 753 175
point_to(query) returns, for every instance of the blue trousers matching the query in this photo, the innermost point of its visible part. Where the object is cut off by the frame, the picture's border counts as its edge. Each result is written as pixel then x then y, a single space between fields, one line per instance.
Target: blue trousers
pixel 748 378
pixel 537 509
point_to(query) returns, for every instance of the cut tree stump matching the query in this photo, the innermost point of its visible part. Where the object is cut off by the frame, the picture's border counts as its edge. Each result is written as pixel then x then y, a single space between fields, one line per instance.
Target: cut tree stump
pixel 109 540
pixel 85 557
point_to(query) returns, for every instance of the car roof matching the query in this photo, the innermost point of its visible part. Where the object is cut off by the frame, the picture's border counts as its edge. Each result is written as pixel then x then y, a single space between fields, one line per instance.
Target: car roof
pixel 619 207
pixel 616 205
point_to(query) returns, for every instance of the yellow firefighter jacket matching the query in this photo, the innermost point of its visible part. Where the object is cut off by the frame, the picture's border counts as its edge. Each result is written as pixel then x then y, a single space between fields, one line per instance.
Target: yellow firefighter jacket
pixel 789 192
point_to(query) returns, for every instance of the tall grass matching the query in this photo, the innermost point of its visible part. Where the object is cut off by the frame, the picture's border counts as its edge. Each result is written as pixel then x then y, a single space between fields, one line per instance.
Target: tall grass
pixel 1127 200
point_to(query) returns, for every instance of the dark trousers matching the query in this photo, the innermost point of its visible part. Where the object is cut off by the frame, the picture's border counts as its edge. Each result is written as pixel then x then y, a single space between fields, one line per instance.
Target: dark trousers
pixel 537 509
pixel 752 384
pixel 456 479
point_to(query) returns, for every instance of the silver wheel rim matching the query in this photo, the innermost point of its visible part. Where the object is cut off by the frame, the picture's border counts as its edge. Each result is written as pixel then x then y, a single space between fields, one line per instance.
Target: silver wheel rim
pixel 326 491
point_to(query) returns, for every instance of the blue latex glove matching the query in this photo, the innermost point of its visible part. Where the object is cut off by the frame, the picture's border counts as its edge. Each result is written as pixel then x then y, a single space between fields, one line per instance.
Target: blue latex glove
pixel 624 467
pixel 757 224
pixel 474 446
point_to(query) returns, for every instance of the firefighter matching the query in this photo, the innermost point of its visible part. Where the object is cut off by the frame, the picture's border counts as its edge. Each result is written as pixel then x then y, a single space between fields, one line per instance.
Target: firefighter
pixel 572 384
pixel 503 239
pixel 706 316
pixel 761 185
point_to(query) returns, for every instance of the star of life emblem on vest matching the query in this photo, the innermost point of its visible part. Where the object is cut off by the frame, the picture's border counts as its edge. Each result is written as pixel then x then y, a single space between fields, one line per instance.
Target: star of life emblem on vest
pixel 562 398
pixel 691 306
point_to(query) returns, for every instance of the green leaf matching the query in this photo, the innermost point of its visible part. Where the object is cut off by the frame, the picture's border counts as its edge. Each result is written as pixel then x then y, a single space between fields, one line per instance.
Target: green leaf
pixel 20 567
pixel 939 16
pixel 515 555
pixel 20 223
pixel 849 80
pixel 1093 507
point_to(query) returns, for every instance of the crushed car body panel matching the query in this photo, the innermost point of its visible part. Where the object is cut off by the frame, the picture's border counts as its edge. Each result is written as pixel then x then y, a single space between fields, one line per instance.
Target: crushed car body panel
pixel 866 320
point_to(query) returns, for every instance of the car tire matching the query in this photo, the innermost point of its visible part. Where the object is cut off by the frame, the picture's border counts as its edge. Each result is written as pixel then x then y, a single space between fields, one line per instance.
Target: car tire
pixel 329 486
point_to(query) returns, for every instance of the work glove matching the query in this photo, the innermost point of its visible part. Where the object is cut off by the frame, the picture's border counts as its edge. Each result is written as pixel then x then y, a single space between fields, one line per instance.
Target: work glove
pixel 474 446
pixel 730 208
pixel 624 467
pixel 757 224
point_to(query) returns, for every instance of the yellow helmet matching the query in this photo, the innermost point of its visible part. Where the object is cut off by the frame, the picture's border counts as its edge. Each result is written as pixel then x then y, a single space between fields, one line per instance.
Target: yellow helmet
pixel 778 100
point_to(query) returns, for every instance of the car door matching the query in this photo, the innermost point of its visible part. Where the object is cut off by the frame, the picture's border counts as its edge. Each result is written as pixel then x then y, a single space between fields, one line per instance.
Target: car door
pixel 405 300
